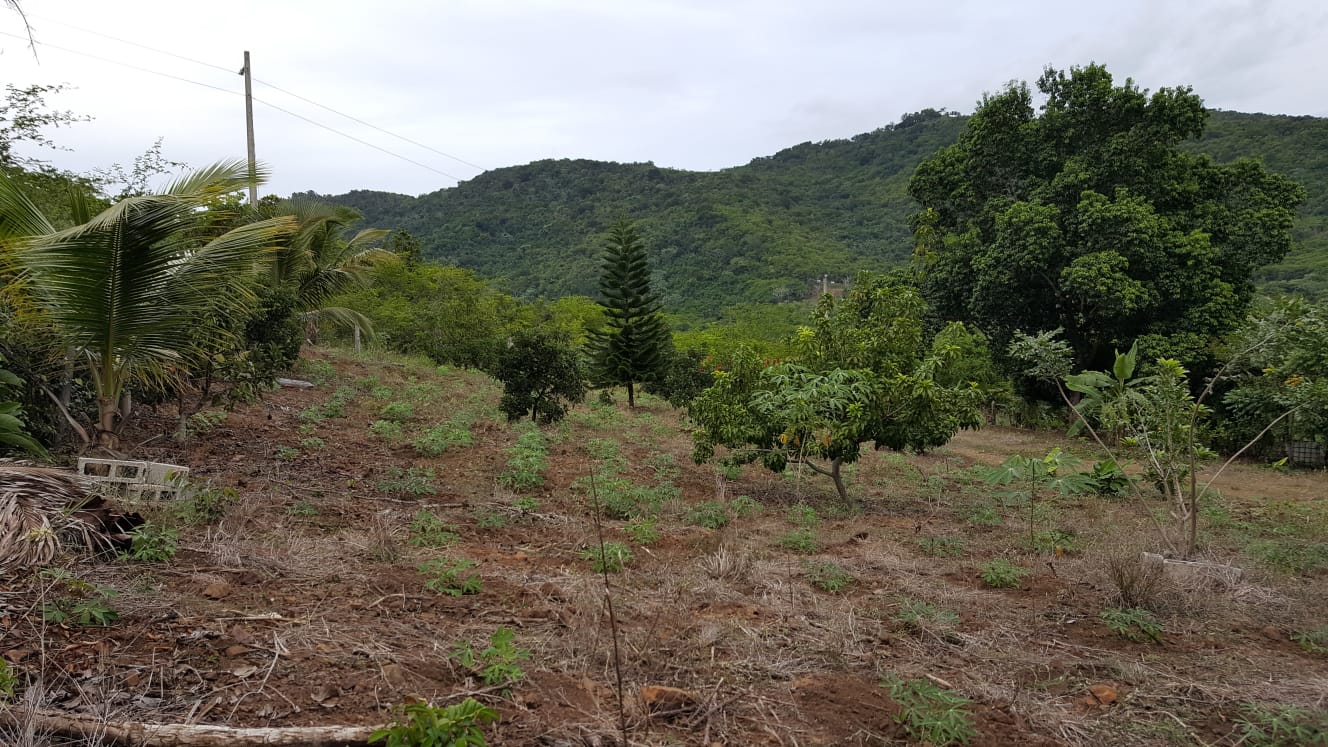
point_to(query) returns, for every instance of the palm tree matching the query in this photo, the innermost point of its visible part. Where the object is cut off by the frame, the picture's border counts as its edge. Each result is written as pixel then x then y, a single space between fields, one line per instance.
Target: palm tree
pixel 320 262
pixel 127 286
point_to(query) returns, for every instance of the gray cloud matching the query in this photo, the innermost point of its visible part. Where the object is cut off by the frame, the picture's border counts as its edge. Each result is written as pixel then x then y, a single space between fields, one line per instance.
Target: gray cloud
pixel 686 83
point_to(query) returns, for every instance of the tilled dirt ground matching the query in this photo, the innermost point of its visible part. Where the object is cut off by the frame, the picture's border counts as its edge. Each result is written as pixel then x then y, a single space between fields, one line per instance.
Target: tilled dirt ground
pixel 303 603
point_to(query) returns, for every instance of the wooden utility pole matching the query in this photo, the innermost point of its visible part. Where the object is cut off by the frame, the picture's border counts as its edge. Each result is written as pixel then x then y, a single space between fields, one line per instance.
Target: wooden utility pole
pixel 249 128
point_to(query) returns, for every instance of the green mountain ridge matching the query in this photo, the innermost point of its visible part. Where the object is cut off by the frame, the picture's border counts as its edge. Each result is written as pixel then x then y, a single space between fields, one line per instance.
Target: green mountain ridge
pixel 768 230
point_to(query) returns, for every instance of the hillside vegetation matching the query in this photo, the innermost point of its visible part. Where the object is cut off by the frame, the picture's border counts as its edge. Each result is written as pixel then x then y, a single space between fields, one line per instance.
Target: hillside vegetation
pixel 766 231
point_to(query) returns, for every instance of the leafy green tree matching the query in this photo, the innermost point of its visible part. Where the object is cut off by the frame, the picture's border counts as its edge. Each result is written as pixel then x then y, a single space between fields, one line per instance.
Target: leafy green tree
pixel 542 375
pixel 631 346
pixel 403 244
pixel 1091 216
pixel 12 431
pixel 683 376
pixel 126 287
pixel 865 374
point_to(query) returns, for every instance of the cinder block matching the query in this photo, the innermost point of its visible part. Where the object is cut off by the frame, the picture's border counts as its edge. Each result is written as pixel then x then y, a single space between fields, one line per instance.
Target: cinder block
pixel 113 470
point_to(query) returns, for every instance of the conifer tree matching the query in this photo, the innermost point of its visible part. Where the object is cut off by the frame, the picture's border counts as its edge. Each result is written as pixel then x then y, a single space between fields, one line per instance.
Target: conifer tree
pixel 630 348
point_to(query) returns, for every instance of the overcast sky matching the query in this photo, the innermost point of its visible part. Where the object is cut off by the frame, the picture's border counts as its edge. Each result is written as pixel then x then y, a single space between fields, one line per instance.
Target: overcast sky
pixel 694 84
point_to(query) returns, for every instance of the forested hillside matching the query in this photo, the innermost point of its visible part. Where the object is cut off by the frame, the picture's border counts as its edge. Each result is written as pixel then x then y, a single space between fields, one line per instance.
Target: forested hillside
pixel 767 230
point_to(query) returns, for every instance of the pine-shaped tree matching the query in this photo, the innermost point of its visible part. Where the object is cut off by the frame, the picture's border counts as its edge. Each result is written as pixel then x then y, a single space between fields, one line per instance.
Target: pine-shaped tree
pixel 630 349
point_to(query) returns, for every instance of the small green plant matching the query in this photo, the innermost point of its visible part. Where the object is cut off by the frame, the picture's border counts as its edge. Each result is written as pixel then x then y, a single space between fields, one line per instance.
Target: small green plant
pixel 1002 574
pixel 397 412
pixel 800 541
pixel 206 503
pixel 83 603
pixel 614 557
pixel 526 462
pixel 153 543
pixel 202 422
pixel 488 517
pixel 413 481
pixel 438 439
pixel 1133 624
pixel 827 576
pixel 709 514
pixel 1281 726
pixel 804 516
pixel 942 547
pixel 302 509
pixel 642 530
pixel 287 453
pixel 498 663
pixel 1056 542
pixel 319 372
pixel 664 464
pixel 381 392
pixel 423 725
pixel 427 530
pixel 8 681
pixel 313 443
pixel 1313 641
pixel 985 516
pixel 919 615
pixel 386 430
pixel 930 714
pixel 744 506
pixel 451 576
pixel 526 505
pixel 1108 479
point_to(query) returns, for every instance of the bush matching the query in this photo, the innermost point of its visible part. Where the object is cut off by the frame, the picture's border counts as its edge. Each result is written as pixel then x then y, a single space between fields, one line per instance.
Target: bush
pixel 1138 583
pixel 709 514
pixel 827 576
pixel 451 576
pixel 423 725
pixel 611 559
pixel 154 543
pixel 526 462
pixel 1002 574
pixel 930 714
pixel 542 376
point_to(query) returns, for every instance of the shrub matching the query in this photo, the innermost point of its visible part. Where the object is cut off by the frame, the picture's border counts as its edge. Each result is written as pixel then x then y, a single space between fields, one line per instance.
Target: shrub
pixel 642 531
pixel 918 615
pixel 1138 583
pixel 526 462
pixel 386 430
pixel 942 547
pixel 1281 726
pixel 800 541
pixel 609 559
pixel 827 576
pixel 498 662
pixel 312 444
pixel 397 412
pixel 542 376
pixel 439 438
pixel 1313 641
pixel 154 543
pixel 451 576
pixel 1133 624
pixel 413 481
pixel 423 725
pixel 709 514
pixel 82 603
pixel 744 506
pixel 427 530
pixel 1002 574
pixel 930 714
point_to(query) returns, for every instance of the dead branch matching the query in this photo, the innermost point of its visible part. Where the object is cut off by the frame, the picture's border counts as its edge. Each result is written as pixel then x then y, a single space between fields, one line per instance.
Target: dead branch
pixel 192 735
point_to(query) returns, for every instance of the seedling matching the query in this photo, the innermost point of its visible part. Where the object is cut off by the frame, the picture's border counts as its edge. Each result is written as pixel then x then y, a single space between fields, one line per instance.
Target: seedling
pixel 932 715
pixel 423 725
pixel 614 556
pixel 642 531
pixel 153 543
pixel 801 541
pixel 451 576
pixel 942 547
pixel 918 615
pixel 414 481
pixel 427 530
pixel 827 576
pixel 1133 624
pixel 709 514
pixel 1002 574
pixel 497 663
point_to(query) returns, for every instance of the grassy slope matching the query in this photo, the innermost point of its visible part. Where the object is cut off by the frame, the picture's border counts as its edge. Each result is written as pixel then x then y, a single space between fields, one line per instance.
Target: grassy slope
pixel 327 535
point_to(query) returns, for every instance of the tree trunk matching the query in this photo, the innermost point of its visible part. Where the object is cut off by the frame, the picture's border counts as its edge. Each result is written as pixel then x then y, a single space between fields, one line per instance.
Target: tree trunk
pixel 631 396
pixel 185 735
pixel 357 338
pixel 839 480
pixel 107 410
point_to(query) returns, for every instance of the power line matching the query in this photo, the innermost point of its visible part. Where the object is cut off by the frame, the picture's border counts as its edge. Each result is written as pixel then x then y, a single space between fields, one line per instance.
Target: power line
pixel 136 44
pixel 273 86
pixel 316 123
pixel 372 126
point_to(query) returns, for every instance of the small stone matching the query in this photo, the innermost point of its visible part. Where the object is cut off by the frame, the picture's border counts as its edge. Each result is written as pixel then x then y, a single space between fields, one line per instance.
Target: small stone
pixel 668 700
pixel 395 675
pixel 1272 633
pixel 1105 694
pixel 241 635
pixel 217 590
pixel 237 650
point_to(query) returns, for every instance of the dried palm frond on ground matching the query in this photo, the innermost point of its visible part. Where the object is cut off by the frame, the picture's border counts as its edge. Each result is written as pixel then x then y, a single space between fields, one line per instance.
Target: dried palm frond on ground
pixel 43 509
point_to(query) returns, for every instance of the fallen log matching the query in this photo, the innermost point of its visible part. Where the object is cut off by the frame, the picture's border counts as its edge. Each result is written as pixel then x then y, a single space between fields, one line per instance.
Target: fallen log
pixel 135 734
